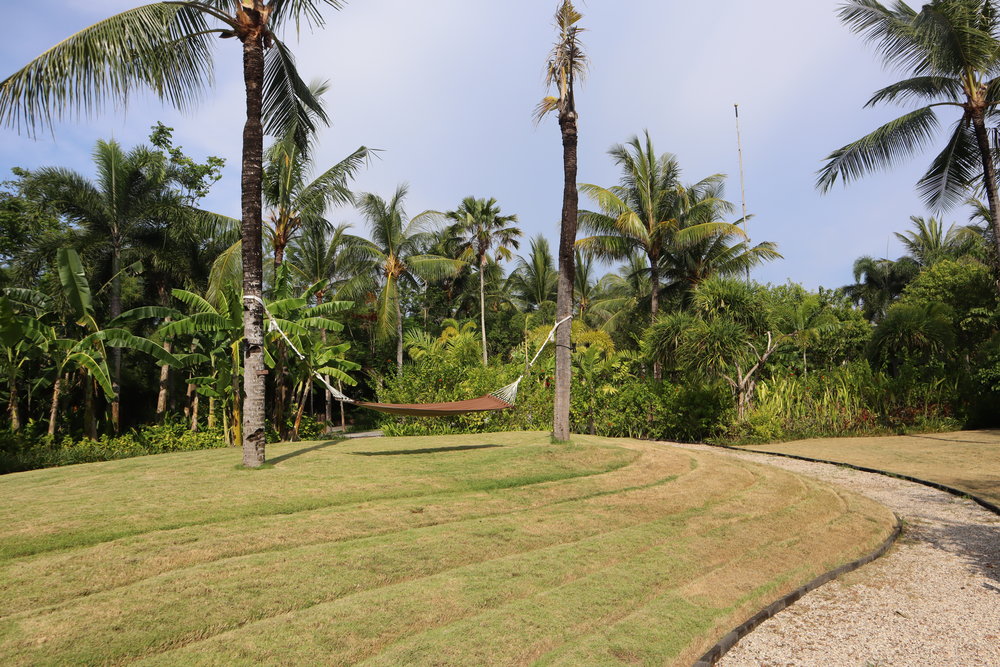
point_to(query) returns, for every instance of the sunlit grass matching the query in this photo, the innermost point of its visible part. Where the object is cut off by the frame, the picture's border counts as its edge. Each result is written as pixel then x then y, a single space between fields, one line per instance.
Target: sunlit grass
pixel 498 549
pixel 966 460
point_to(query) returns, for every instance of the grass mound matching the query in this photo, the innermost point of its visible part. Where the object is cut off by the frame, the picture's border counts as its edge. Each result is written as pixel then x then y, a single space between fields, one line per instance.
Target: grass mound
pixel 496 548
pixel 966 460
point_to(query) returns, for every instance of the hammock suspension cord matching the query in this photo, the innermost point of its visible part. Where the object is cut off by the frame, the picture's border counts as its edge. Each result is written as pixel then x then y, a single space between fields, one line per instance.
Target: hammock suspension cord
pixel 507 394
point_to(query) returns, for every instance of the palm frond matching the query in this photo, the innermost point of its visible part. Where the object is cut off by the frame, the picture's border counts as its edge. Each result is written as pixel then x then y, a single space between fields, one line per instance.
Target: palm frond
pixel 289 106
pixel 881 149
pixel 161 46
pixel 953 171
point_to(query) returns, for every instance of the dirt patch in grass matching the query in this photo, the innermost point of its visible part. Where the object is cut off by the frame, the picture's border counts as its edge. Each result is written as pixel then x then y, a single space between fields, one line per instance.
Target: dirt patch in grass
pixel 606 551
pixel 966 460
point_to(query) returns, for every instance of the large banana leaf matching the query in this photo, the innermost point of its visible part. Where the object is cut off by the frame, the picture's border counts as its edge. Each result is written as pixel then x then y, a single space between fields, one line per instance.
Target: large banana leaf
pixel 74 284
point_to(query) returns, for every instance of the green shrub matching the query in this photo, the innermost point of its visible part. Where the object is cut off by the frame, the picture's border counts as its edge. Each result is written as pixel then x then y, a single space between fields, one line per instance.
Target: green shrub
pixel 26 451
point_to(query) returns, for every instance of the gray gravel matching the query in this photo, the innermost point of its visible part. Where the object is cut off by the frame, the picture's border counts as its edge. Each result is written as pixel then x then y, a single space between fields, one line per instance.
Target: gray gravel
pixel 934 599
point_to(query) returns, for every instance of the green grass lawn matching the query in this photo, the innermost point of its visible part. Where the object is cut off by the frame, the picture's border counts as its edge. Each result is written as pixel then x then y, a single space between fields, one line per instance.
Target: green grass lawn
pixel 966 460
pixel 478 549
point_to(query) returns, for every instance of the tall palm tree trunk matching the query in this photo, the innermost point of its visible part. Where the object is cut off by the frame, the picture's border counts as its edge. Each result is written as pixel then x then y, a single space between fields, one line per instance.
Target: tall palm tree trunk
pixel 282 396
pixel 253 307
pixel 654 305
pixel 564 293
pixel 482 309
pixel 989 174
pixel 116 353
pixel 399 338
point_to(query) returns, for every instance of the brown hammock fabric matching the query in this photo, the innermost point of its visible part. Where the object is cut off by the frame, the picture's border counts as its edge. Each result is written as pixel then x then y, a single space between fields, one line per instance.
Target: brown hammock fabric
pixel 481 404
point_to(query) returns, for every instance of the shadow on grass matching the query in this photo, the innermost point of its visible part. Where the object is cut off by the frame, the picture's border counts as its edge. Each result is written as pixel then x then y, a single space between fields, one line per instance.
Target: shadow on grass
pixel 433 450
pixel 305 450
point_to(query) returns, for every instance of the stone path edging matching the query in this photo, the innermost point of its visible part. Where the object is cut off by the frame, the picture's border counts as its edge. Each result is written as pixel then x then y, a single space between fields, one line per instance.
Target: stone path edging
pixel 736 634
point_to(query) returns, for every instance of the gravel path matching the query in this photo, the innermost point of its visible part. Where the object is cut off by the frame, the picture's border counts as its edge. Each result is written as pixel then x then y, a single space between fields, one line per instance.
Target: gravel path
pixel 934 599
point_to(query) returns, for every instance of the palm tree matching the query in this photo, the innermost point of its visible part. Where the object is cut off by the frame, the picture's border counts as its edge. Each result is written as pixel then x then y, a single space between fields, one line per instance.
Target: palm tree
pixel 930 243
pixel 951 52
pixel 650 211
pixel 132 199
pixel 166 47
pixel 293 202
pixel 533 280
pixel 479 228
pixel 393 254
pixel 879 282
pixel 567 62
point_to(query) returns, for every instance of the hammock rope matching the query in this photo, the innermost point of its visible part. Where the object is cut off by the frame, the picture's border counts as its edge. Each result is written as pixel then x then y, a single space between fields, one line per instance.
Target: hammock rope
pixel 503 398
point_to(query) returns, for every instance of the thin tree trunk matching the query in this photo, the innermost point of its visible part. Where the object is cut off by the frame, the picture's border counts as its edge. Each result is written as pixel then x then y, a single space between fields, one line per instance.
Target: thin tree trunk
pixel 343 421
pixel 161 398
pixel 399 337
pixel 564 293
pixel 211 413
pixel 194 413
pixel 306 390
pixel 116 353
pixel 482 309
pixel 54 412
pixel 253 436
pixel 989 175
pixel 12 404
pixel 89 418
pixel 654 304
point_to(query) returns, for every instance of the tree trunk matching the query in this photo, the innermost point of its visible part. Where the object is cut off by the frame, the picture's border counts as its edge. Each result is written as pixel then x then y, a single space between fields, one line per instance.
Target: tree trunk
pixel 564 293
pixel 482 308
pixel 194 413
pixel 253 436
pixel 654 303
pixel 343 421
pixel 211 413
pixel 399 337
pixel 54 412
pixel 161 398
pixel 89 418
pixel 306 390
pixel 12 404
pixel 116 352
pixel 989 176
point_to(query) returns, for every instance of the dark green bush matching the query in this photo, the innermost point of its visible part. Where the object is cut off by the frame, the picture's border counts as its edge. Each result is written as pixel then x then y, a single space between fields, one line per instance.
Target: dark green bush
pixel 24 451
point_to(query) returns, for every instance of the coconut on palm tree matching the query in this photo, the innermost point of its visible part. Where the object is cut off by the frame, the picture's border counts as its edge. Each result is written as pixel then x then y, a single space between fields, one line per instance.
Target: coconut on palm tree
pixel 479 229
pixel 567 63
pixel 951 54
pixel 166 47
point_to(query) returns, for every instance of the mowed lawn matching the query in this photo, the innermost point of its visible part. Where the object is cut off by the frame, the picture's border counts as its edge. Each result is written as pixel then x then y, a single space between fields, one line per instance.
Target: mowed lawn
pixel 966 460
pixel 498 549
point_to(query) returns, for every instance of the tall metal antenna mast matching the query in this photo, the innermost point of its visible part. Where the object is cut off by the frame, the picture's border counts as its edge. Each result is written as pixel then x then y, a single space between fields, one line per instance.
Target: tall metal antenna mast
pixel 743 190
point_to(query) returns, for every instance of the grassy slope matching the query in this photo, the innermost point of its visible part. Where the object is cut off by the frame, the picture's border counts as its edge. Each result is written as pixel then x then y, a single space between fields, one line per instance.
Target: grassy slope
pixel 495 548
pixel 966 460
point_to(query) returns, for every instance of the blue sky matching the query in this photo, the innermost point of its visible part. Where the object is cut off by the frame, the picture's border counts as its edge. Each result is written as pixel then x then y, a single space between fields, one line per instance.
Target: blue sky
pixel 446 89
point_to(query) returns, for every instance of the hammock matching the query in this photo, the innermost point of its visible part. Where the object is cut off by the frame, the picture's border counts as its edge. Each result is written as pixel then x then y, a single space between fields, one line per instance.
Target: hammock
pixel 501 399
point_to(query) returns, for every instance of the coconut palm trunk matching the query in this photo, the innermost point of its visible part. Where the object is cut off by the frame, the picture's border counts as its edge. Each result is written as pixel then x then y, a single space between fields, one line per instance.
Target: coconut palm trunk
pixel 399 337
pixel 482 307
pixel 989 173
pixel 116 353
pixel 564 290
pixel 253 306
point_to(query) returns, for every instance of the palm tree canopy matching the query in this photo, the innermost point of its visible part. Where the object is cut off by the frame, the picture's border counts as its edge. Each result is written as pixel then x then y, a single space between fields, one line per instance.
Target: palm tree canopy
pixel 567 63
pixel 951 51
pixel 165 47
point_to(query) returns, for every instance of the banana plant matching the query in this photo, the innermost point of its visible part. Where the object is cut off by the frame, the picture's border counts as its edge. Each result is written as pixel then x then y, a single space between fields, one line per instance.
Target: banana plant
pixel 24 338
pixel 88 354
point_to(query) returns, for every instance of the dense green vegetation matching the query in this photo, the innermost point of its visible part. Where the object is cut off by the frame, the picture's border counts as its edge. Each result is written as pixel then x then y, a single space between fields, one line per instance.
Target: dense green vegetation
pixel 125 305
